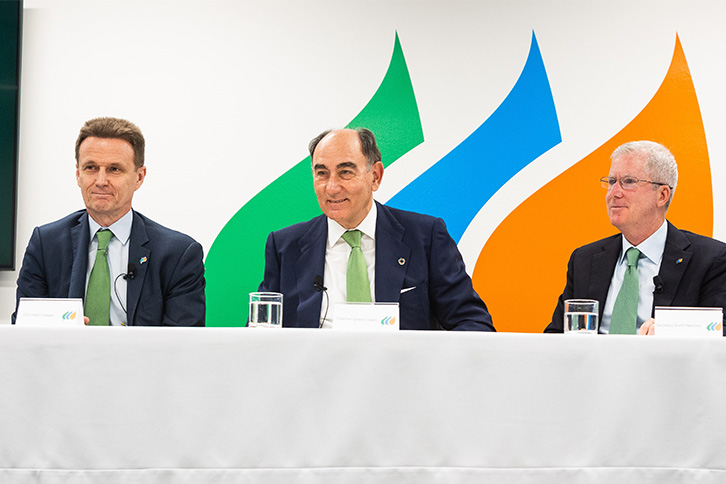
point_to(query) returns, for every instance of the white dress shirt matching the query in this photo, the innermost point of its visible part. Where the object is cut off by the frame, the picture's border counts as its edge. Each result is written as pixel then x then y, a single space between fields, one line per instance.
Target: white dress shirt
pixel 648 267
pixel 118 262
pixel 337 252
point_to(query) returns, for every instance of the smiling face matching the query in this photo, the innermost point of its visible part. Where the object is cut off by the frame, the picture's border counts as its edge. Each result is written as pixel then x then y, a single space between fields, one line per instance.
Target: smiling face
pixel 640 212
pixel 108 178
pixel 343 182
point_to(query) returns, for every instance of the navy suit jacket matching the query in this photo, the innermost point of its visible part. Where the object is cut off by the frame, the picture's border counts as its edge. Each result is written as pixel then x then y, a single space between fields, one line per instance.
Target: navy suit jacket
pixel 412 251
pixel 693 273
pixel 168 289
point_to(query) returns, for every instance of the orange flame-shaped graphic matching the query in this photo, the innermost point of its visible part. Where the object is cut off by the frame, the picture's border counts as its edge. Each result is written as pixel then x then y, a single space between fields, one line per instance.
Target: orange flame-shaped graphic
pixel 521 288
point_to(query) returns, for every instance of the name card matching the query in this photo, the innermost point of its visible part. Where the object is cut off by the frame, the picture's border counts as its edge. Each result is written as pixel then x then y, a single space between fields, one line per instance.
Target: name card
pixel 49 312
pixel 367 316
pixel 675 321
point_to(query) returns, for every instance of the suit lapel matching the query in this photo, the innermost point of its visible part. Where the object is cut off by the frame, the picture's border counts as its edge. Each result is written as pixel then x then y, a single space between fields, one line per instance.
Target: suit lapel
pixel 390 250
pixel 603 268
pixel 675 261
pixel 80 238
pixel 139 255
pixel 311 263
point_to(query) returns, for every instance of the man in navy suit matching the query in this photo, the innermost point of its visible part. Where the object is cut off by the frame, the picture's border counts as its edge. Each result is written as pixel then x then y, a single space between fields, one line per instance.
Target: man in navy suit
pixel 156 274
pixel 410 258
pixel 675 267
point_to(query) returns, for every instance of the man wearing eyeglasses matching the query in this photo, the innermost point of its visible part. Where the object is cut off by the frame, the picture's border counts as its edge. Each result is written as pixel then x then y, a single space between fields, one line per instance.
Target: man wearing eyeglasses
pixel 650 263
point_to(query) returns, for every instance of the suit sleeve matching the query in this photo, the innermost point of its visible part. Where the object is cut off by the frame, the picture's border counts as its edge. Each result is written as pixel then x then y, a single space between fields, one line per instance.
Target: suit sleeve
pixel 184 303
pixel 271 278
pixel 455 303
pixel 713 287
pixel 31 280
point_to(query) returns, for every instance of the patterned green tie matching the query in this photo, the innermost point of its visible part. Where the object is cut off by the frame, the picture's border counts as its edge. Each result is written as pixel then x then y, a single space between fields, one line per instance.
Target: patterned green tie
pixel 356 278
pixel 98 295
pixel 625 312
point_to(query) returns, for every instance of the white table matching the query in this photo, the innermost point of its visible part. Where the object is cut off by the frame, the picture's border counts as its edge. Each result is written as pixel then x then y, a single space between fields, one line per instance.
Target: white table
pixel 196 405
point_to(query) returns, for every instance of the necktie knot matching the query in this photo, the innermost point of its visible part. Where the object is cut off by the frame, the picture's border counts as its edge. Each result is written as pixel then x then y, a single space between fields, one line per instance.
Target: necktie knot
pixel 633 255
pixel 104 237
pixel 352 237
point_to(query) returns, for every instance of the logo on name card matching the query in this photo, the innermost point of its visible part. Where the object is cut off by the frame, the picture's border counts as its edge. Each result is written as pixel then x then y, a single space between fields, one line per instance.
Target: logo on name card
pixel 388 321
pixel 716 326
pixel 69 315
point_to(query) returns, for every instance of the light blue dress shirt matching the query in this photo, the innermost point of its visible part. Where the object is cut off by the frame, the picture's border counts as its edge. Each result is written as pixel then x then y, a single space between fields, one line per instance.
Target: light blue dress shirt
pixel 118 261
pixel 651 250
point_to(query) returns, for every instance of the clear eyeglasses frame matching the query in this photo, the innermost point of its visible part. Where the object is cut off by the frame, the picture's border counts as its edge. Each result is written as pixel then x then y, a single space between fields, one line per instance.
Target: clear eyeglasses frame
pixel 627 182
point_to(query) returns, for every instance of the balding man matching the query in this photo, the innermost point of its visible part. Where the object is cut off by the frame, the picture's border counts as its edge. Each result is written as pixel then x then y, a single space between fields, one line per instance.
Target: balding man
pixel 404 257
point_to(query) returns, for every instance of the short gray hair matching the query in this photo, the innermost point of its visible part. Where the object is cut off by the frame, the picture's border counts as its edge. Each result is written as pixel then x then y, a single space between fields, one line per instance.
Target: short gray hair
pixel 660 164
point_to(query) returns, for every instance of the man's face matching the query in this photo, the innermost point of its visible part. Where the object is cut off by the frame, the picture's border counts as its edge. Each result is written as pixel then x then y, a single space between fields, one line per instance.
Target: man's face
pixel 107 177
pixel 343 184
pixel 638 211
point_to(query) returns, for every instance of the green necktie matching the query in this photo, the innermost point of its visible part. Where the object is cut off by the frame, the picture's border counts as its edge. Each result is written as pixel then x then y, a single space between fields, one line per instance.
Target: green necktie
pixel 625 312
pixel 356 277
pixel 98 295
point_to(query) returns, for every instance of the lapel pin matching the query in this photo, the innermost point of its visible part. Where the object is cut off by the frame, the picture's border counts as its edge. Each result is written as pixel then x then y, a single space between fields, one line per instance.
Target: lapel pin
pixel 679 260
pixel 142 260
pixel 401 261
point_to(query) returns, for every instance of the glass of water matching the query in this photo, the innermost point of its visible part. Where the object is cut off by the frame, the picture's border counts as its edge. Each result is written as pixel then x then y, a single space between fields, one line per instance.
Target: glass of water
pixel 581 316
pixel 265 310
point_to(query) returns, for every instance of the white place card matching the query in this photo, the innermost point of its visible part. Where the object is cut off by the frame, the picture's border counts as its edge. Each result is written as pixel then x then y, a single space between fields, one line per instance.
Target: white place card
pixel 678 321
pixel 367 316
pixel 49 312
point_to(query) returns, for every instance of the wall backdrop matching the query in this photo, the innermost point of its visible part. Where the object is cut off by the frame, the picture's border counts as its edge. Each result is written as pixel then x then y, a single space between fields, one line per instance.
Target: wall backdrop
pixel 497 116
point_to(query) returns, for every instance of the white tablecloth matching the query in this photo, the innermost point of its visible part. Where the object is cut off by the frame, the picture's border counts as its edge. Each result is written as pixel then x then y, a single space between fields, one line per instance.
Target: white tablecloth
pixel 196 405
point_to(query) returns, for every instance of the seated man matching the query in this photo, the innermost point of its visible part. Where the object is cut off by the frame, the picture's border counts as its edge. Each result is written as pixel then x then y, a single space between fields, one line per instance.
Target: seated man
pixel 402 257
pixel 663 266
pixel 128 269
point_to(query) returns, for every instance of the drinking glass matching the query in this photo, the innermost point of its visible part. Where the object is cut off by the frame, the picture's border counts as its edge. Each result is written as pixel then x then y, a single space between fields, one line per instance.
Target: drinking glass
pixel 581 316
pixel 265 310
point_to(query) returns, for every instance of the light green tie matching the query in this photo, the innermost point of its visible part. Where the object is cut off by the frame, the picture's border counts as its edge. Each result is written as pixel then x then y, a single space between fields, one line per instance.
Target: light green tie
pixel 98 295
pixel 356 278
pixel 625 312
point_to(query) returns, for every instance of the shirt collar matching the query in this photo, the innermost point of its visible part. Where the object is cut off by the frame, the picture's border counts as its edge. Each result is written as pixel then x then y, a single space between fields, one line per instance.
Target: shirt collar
pixel 367 226
pixel 652 247
pixel 121 228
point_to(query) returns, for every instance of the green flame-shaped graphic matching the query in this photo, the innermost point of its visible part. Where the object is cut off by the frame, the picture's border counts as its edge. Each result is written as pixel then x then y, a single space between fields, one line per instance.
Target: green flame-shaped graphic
pixel 235 262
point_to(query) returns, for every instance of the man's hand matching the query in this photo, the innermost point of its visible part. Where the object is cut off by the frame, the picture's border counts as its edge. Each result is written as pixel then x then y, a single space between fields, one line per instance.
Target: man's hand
pixel 648 327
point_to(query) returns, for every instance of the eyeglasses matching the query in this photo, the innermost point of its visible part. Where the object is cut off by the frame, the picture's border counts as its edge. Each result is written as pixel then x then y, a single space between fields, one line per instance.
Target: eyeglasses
pixel 627 182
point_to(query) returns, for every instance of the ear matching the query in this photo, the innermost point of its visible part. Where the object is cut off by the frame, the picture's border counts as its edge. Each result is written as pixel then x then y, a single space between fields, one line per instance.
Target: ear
pixel 664 193
pixel 78 175
pixel 377 171
pixel 140 175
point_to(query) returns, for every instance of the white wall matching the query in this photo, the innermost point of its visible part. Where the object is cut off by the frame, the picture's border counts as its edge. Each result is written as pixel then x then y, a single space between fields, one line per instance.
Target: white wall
pixel 228 93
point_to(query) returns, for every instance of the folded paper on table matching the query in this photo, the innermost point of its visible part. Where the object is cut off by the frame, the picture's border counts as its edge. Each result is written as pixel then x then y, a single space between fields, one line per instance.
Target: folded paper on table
pixel 681 321
pixel 49 312
pixel 368 316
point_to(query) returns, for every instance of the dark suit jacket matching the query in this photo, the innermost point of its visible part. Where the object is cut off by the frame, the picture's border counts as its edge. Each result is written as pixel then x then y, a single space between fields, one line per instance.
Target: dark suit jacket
pixel 442 295
pixel 168 289
pixel 693 273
